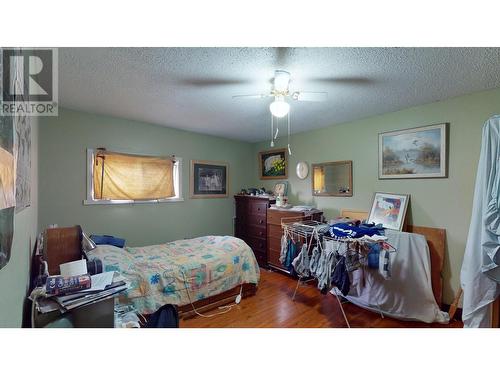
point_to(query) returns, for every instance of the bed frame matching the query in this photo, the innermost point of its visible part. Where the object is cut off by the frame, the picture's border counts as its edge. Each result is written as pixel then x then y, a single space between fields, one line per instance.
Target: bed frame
pixel 436 239
pixel 222 299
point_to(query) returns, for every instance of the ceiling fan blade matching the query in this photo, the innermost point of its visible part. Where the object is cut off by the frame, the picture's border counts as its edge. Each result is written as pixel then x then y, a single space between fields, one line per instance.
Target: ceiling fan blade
pixel 210 82
pixel 350 80
pixel 257 96
pixel 310 96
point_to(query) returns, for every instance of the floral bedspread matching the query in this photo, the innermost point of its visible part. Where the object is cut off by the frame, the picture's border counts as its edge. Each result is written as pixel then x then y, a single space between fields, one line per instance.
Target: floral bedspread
pixel 180 271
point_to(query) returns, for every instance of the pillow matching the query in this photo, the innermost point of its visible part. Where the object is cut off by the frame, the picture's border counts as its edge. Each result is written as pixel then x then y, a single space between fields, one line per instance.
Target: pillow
pixel 107 240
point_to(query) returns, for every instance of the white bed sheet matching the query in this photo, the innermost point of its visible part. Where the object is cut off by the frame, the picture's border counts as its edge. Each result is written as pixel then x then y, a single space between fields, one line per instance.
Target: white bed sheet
pixel 408 294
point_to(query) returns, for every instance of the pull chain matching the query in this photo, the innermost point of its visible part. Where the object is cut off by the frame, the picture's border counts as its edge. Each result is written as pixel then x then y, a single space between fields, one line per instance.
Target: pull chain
pixel 288 120
pixel 272 130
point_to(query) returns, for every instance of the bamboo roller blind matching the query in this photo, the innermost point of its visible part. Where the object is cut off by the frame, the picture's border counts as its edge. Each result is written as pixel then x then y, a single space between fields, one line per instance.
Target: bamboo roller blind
pixel 132 177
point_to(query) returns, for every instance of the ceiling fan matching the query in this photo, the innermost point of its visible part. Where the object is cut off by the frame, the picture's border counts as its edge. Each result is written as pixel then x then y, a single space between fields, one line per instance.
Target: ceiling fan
pixel 279 107
pixel 280 90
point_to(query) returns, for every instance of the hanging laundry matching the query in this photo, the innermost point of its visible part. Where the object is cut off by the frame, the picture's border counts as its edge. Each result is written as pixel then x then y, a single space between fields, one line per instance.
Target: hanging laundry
pixel 284 248
pixel 385 264
pixel 324 271
pixel 301 262
pixel 374 255
pixel 340 277
pixel 352 258
pixel 314 261
pixel 290 256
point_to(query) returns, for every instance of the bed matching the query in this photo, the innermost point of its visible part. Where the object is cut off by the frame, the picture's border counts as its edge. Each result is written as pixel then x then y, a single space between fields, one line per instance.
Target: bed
pixel 204 271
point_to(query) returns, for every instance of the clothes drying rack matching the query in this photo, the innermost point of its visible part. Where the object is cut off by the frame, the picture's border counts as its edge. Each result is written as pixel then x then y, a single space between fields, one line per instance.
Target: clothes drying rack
pixel 313 234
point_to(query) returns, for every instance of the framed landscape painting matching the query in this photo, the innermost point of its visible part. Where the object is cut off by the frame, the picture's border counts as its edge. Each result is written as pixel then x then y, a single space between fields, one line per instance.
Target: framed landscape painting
pixel 413 153
pixel 273 164
pixel 389 210
pixel 209 179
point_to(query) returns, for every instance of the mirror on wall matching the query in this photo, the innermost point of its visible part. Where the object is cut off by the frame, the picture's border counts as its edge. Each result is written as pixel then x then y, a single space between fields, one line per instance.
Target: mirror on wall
pixel 333 179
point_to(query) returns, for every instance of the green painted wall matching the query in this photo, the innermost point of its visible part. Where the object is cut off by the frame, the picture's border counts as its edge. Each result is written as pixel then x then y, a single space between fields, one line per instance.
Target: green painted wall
pixel 444 203
pixel 64 140
pixel 14 277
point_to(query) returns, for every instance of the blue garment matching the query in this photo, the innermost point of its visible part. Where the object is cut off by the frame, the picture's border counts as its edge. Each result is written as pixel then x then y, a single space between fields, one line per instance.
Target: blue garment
pixel 340 277
pixel 373 255
pixel 351 231
pixel 291 253
pixel 107 240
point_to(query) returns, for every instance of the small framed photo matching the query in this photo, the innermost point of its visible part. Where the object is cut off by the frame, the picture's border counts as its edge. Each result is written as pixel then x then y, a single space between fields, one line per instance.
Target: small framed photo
pixel 273 164
pixel 389 210
pixel 281 188
pixel 413 153
pixel 209 179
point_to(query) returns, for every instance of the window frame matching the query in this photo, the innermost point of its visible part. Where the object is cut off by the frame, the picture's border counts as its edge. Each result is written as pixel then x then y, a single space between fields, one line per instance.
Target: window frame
pixel 90 200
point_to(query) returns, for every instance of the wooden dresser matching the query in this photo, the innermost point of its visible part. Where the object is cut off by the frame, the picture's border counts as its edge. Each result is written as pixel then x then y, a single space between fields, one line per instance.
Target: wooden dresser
pixel 274 232
pixel 251 224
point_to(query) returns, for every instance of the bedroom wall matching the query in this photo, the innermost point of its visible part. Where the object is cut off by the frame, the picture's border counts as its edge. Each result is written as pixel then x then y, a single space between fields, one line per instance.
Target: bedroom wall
pixel 62 164
pixel 444 203
pixel 14 277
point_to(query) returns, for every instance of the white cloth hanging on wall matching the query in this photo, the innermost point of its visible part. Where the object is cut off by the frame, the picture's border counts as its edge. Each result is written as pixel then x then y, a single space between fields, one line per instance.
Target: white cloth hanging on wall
pixel 480 274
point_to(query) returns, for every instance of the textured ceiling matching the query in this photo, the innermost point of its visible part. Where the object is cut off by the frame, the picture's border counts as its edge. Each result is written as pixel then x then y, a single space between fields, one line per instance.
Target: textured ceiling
pixel 191 88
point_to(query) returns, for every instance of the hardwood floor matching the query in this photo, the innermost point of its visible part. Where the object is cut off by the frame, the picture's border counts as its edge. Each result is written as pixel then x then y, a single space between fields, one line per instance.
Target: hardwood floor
pixel 272 307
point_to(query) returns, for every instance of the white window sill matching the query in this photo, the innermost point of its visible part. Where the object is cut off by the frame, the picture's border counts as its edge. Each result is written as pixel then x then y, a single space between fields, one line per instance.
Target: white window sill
pixel 87 202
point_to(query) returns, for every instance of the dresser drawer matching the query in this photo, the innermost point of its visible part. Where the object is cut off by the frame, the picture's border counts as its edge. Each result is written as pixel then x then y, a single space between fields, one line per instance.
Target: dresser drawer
pixel 273 257
pixel 274 243
pixel 274 231
pixel 257 244
pixel 256 220
pixel 258 208
pixel 275 216
pixel 258 231
pixel 261 259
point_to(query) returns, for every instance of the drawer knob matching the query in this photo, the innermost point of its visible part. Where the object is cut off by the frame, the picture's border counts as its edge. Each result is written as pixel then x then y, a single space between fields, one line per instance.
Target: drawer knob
pixel 261 221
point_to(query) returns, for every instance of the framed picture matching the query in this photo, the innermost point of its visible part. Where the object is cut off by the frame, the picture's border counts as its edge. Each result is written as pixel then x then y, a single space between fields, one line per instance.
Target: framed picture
pixel 209 179
pixel 281 188
pixel 389 210
pixel 413 153
pixel 273 164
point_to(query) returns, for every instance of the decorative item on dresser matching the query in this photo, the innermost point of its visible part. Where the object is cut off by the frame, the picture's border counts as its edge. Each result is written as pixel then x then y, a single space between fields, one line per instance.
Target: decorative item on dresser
pixel 275 231
pixel 250 224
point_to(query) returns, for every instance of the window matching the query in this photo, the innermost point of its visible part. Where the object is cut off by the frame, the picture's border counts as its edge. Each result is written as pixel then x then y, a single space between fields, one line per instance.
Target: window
pixel 114 178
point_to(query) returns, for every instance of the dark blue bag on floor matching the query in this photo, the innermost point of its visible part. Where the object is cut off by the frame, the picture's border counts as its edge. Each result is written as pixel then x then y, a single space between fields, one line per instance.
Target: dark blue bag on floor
pixel 165 317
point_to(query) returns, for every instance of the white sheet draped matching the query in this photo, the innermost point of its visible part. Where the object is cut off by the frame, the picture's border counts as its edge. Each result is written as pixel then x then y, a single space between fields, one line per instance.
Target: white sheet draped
pixel 408 294
pixel 480 268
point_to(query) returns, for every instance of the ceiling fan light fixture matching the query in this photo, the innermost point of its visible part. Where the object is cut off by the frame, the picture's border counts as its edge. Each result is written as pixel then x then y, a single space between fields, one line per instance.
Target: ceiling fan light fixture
pixel 279 108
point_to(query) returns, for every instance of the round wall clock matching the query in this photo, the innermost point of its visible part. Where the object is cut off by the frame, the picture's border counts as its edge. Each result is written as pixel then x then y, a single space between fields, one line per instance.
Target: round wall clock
pixel 302 170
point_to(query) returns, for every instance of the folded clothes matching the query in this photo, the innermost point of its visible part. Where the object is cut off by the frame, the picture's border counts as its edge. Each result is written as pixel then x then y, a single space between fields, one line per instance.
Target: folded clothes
pixel 374 238
pixel 351 231
pixel 107 240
